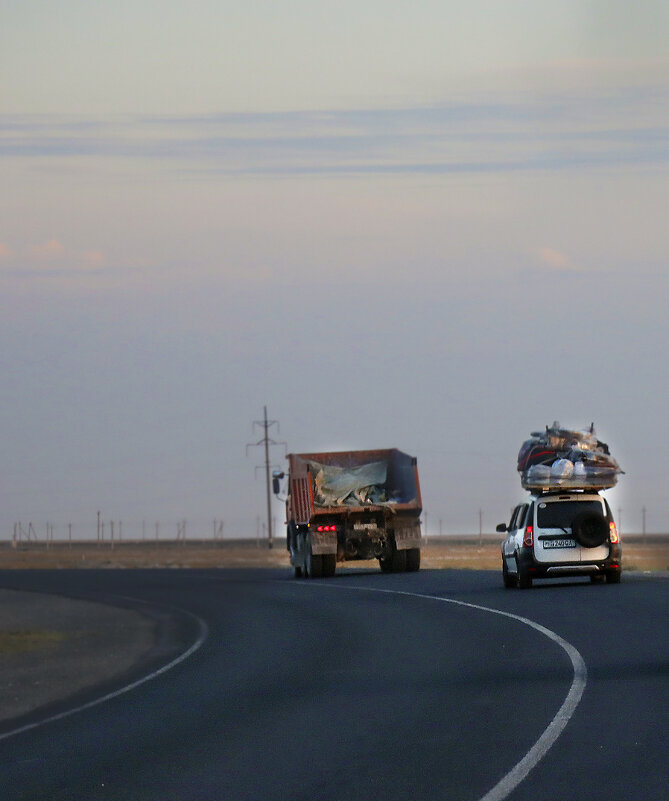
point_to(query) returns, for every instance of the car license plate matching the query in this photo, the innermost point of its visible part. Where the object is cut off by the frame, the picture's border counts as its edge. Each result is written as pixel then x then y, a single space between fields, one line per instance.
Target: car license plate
pixel 559 543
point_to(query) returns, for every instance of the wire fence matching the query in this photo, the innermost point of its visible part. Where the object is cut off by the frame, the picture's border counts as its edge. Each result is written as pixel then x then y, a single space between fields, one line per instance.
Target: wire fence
pixel 114 531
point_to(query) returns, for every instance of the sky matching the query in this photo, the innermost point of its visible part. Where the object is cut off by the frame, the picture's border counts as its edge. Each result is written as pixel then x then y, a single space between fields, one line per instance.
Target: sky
pixel 435 226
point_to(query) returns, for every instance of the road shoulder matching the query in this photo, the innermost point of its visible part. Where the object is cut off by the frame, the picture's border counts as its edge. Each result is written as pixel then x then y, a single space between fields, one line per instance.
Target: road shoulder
pixel 52 648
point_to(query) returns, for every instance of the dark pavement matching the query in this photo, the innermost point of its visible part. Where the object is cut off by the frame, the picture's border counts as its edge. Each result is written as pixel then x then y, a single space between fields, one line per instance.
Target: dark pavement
pixel 314 690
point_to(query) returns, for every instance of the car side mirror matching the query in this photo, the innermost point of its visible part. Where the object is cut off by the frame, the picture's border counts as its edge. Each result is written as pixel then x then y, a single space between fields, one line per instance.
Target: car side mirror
pixel 501 527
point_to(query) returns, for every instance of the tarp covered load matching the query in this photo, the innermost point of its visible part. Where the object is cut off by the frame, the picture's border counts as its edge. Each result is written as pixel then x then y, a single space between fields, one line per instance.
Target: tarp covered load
pixel 350 486
pixel 560 457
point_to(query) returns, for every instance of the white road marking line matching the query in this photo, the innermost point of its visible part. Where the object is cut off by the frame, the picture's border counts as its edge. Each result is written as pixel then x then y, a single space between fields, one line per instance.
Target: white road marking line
pixel 520 770
pixel 202 636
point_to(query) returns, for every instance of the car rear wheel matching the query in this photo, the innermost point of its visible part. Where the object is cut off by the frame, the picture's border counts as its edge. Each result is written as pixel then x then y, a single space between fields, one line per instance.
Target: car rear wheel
pixel 524 578
pixel 509 581
pixel 613 577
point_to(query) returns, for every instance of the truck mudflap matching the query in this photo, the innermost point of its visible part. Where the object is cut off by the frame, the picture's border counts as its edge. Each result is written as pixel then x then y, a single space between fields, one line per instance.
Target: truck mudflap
pixel 323 542
pixel 407 537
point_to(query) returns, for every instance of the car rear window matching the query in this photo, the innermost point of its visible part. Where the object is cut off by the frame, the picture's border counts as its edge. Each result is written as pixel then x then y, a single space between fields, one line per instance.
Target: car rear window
pixel 559 514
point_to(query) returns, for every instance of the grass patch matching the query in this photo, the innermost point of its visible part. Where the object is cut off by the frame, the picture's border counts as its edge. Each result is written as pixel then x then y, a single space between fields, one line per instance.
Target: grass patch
pixel 16 642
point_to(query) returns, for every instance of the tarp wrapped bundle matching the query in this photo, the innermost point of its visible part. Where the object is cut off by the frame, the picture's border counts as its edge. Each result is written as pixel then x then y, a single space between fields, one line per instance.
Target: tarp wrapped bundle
pixel 560 457
pixel 350 486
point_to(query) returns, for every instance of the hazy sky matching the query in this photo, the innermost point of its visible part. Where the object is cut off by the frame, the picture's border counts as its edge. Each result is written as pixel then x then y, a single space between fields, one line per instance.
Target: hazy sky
pixel 436 226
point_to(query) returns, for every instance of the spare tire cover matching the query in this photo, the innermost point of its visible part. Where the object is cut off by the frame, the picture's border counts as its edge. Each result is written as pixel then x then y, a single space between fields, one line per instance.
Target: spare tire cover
pixel 590 529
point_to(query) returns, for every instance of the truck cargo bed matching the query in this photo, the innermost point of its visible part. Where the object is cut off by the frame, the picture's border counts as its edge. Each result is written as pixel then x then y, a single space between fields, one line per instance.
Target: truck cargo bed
pixel 344 481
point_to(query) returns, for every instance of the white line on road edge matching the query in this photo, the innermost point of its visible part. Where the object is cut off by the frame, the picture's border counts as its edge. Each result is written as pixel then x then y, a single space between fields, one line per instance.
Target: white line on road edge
pixel 515 776
pixel 202 636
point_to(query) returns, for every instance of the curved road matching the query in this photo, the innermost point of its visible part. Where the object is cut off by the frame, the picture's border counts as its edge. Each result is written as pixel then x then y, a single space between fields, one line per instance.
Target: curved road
pixel 431 685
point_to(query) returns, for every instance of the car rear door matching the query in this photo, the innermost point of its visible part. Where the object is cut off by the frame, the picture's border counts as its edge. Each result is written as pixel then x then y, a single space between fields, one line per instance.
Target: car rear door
pixel 553 540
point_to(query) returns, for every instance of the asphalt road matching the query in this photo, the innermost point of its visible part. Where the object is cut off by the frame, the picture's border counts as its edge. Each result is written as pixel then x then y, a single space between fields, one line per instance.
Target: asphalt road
pixel 365 686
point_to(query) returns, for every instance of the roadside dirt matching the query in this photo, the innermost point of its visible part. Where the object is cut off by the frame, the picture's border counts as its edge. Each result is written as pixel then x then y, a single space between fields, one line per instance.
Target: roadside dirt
pixel 464 552
pixel 52 647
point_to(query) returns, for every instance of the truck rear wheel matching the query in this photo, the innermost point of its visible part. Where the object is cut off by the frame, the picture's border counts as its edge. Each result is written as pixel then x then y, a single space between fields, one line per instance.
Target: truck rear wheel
pixel 329 561
pixel 413 559
pixel 395 563
pixel 314 565
pixel 399 561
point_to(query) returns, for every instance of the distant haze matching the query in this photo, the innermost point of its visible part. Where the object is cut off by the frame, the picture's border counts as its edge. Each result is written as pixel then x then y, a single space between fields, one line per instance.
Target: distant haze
pixel 427 226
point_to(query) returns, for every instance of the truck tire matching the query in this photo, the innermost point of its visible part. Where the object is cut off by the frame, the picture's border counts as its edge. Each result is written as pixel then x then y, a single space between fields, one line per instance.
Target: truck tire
pixel 397 563
pixel 329 561
pixel 413 560
pixel 314 565
pixel 294 543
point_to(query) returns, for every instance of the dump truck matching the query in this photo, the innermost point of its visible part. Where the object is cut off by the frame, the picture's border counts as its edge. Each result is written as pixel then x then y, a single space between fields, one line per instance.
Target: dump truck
pixel 352 505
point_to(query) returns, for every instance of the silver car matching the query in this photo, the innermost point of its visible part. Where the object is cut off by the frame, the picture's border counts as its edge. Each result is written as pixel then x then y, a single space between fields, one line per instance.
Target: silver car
pixel 553 534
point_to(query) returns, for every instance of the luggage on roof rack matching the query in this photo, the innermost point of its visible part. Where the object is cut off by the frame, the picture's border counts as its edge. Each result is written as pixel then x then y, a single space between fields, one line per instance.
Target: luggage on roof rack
pixel 561 458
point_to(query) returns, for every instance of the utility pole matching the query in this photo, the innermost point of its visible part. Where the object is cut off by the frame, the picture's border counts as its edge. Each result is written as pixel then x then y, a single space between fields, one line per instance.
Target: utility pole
pixel 266 441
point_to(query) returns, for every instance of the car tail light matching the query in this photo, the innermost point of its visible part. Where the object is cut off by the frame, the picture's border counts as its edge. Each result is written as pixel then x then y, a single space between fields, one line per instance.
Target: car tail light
pixel 528 537
pixel 613 532
pixel 326 528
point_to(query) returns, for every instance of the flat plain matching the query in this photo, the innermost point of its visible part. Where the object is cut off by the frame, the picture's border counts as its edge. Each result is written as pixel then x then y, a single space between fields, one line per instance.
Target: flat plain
pixel 649 553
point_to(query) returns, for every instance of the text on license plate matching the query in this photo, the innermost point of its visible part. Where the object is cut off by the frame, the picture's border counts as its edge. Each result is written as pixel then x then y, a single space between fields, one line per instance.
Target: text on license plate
pixel 559 543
